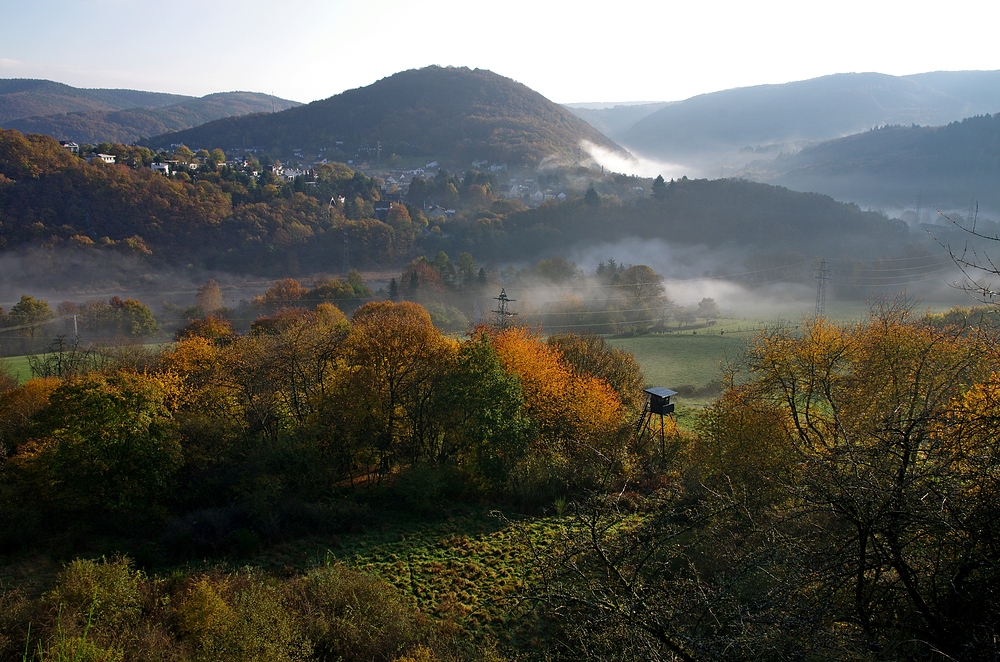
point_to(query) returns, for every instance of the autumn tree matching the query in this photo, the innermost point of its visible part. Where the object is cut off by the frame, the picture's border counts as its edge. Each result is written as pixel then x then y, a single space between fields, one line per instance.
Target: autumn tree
pixel 209 297
pixel 29 313
pixel 106 442
pixel 394 361
pixel 881 422
pixel 578 417
pixel 591 355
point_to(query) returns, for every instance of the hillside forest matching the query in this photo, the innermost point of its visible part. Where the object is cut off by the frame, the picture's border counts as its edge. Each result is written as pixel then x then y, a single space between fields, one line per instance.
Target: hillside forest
pixel 241 218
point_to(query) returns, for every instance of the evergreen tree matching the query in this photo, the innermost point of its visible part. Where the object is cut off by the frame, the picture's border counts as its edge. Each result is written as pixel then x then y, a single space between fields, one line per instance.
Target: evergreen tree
pixel 659 188
pixel 393 290
pixel 414 284
pixel 592 197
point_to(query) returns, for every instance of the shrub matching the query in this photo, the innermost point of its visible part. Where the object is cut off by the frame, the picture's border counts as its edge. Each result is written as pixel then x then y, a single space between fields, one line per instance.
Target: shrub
pixel 353 617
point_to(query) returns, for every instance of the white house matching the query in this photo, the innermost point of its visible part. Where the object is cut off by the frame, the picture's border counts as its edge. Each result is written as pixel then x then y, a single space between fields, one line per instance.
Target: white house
pixel 107 158
pixel 162 168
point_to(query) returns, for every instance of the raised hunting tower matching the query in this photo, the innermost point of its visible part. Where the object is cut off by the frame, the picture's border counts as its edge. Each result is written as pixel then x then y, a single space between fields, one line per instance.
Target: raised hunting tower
pixel 657 404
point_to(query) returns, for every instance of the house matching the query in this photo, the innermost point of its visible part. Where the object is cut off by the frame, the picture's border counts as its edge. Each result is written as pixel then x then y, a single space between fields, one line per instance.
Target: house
pixel 162 168
pixel 72 147
pixel 508 192
pixel 107 158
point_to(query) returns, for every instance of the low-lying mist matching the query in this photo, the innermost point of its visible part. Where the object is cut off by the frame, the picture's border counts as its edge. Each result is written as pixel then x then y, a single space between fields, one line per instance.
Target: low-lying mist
pixel 67 274
pixel 636 165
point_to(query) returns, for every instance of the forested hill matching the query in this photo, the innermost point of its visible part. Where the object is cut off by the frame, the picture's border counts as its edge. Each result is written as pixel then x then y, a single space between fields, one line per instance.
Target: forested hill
pixel 122 116
pixel 128 126
pixel 455 114
pixel 28 97
pixel 713 213
pixel 942 165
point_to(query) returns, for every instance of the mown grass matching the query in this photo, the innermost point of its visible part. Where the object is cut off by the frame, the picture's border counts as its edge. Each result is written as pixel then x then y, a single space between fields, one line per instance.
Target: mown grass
pixel 678 359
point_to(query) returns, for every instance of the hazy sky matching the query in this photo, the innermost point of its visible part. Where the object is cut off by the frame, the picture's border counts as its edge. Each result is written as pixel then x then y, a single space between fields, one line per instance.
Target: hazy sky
pixel 618 50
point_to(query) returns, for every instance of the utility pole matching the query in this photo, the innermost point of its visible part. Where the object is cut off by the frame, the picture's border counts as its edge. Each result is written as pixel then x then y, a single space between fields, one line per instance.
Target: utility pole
pixel 824 275
pixel 347 254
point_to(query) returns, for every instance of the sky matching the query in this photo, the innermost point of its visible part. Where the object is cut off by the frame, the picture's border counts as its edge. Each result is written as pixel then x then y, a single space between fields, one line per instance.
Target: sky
pixel 580 51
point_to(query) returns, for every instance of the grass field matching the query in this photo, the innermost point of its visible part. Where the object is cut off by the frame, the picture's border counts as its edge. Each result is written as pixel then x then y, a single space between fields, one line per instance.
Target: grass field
pixel 674 360
pixel 18 365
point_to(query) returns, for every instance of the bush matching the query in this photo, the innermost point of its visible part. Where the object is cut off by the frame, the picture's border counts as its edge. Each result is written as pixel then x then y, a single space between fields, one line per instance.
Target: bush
pixel 353 617
pixel 241 617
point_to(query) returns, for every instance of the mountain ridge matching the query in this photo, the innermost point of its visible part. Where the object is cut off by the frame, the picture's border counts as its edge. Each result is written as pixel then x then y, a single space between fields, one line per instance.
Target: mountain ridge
pixel 719 132
pixel 116 115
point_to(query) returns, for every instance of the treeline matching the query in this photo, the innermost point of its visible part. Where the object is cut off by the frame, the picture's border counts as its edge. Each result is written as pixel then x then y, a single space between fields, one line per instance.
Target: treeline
pixel 31 324
pixel 940 165
pixel 126 125
pixel 258 424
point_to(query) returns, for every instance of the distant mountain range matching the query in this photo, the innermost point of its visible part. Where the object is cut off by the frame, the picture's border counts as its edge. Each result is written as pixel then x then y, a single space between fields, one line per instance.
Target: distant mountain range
pixel 123 116
pixel 450 113
pixel 717 134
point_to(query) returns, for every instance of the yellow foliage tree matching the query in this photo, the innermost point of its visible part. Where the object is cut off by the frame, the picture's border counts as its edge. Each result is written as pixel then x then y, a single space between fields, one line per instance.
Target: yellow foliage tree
pixel 572 411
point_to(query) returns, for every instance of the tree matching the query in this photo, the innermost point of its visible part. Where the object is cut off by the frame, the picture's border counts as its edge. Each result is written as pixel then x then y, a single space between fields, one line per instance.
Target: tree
pixel 591 355
pixel 137 320
pixel 708 309
pixel 183 154
pixel 106 442
pixel 485 406
pixel 209 297
pixel 883 424
pixel 659 191
pixel 394 361
pixel 592 197
pixel 29 312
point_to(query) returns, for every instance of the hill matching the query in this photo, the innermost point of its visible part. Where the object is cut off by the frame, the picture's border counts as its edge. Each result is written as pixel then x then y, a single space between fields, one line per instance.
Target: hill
pixel 941 165
pixel 722 130
pixel 127 126
pixel 454 114
pixel 26 97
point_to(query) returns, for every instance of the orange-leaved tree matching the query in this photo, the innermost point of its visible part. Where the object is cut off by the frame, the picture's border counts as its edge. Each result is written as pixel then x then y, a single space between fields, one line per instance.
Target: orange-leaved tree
pixel 575 413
